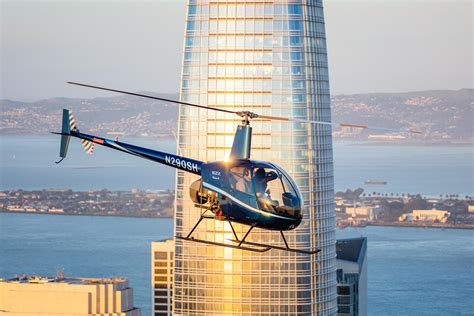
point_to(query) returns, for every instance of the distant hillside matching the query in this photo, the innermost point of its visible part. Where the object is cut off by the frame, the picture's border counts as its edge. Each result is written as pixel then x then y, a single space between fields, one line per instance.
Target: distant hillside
pixel 132 115
pixel 441 115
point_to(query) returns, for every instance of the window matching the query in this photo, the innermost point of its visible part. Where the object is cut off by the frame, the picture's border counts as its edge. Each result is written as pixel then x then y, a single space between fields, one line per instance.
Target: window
pixel 343 309
pixel 346 300
pixel 275 192
pixel 161 279
pixel 161 293
pixel 161 300
pixel 191 25
pixel 343 290
pixel 294 9
pixel 161 255
pixel 240 179
pixel 296 25
pixel 161 307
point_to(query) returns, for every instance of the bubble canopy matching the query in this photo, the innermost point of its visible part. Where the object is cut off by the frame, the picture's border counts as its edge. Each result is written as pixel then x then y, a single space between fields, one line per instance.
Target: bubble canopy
pixel 262 185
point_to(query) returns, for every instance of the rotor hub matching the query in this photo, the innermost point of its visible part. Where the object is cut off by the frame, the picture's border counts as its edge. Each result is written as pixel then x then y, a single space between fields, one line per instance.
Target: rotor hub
pixel 247 116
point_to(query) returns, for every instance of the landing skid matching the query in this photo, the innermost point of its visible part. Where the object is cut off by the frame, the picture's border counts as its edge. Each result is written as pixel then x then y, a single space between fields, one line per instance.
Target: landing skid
pixel 207 242
pixel 256 247
pixel 308 252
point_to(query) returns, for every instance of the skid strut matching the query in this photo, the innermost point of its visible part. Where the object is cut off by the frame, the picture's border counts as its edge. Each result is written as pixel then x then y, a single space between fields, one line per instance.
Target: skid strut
pixel 286 248
pixel 242 243
pixel 256 248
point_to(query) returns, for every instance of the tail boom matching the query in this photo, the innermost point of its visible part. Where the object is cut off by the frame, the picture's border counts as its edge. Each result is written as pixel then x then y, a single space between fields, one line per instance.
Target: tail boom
pixel 178 162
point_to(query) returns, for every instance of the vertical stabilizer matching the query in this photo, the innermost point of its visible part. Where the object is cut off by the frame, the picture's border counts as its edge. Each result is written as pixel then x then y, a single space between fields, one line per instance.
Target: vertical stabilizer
pixel 242 143
pixel 65 132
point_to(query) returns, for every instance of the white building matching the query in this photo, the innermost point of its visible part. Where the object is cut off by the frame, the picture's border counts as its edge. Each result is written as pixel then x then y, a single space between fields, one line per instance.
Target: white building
pixel 369 212
pixel 43 296
pixel 432 215
pixel 470 208
pixel 352 277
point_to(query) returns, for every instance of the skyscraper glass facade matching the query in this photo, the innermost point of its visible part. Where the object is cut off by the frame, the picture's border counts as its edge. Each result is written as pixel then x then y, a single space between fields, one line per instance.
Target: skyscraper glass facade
pixel 268 57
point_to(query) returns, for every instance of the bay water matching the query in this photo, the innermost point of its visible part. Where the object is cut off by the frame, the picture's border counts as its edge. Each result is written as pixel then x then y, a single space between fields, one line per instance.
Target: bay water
pixel 411 271
pixel 27 162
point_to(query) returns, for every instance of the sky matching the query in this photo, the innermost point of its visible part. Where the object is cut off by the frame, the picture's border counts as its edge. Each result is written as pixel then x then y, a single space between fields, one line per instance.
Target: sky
pixel 373 46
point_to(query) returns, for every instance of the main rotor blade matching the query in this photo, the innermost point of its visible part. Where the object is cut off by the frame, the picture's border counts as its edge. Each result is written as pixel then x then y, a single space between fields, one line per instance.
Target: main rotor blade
pixel 277 118
pixel 247 114
pixel 150 97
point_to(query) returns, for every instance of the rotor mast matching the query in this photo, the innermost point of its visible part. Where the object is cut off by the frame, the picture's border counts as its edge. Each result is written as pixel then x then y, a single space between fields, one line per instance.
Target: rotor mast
pixel 242 145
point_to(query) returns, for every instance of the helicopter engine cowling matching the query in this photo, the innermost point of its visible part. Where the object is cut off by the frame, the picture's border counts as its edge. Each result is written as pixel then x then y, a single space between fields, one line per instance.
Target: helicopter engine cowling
pixel 198 194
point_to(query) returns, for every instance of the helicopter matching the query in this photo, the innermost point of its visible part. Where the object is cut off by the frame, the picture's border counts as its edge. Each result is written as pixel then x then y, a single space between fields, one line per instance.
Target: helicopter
pixel 254 193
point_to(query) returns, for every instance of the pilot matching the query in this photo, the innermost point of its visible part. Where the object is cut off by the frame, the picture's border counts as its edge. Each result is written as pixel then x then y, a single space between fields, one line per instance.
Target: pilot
pixel 261 179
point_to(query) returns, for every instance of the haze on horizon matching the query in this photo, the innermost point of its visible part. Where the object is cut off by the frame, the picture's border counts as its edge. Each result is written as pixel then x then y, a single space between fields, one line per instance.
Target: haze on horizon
pixel 373 46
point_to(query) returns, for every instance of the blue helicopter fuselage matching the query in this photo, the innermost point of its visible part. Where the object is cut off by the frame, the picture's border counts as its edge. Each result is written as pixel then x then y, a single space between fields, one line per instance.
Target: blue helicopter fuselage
pixel 243 205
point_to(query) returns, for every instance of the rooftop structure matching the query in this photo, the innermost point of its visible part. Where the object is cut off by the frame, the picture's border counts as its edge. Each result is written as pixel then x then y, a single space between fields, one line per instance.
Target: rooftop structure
pixel 432 215
pixel 368 212
pixel 37 295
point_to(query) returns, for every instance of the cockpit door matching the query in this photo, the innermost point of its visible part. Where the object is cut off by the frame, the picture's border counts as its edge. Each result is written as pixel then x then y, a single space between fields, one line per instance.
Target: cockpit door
pixel 241 184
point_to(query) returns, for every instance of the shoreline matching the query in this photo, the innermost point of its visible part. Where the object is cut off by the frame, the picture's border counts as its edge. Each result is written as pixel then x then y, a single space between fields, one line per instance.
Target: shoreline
pixel 95 215
pixel 437 226
pixel 412 225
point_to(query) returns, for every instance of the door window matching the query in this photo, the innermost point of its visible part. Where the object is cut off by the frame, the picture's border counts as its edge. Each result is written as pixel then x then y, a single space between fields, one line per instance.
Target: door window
pixel 241 179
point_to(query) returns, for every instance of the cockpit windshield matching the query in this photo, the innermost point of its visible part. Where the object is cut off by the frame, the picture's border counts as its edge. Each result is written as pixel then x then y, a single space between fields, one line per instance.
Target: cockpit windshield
pixel 275 193
pixel 273 189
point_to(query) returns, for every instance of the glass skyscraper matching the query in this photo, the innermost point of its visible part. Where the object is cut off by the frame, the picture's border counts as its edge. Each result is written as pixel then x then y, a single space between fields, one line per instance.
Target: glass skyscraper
pixel 268 57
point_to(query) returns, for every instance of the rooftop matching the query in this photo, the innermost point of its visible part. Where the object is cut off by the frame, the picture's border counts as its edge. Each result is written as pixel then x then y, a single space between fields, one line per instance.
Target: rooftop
pixel 351 249
pixel 45 279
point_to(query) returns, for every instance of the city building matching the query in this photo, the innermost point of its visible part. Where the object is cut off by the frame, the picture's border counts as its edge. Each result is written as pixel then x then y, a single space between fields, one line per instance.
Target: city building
pixel 470 208
pixel 37 295
pixel 162 262
pixel 367 212
pixel 268 57
pixel 432 215
pixel 352 276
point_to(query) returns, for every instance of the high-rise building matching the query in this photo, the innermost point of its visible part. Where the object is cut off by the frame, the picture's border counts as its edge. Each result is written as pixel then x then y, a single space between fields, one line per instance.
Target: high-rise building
pixel 268 57
pixel 352 276
pixel 162 277
pixel 66 296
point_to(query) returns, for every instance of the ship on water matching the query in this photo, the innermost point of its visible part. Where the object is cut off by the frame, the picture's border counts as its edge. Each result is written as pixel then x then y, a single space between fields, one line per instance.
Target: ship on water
pixel 381 182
